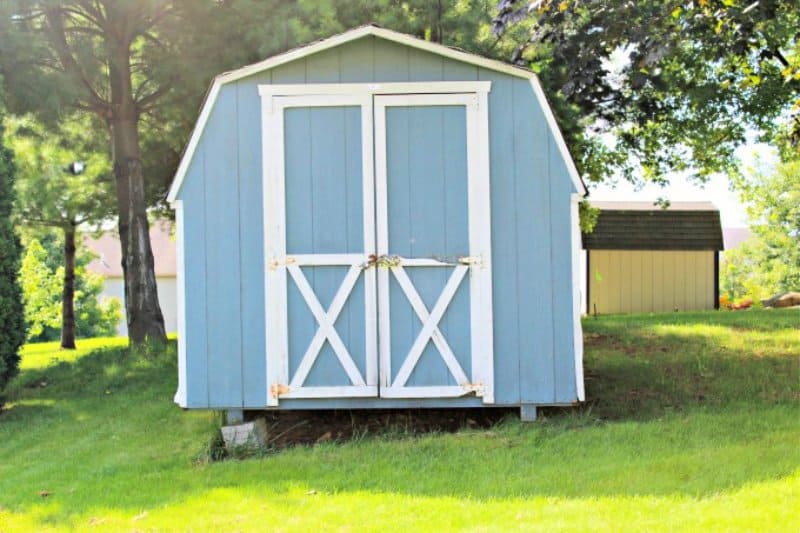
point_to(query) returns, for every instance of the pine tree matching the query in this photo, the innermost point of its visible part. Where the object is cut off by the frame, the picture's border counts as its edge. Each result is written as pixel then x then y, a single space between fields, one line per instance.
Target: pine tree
pixel 132 67
pixel 12 318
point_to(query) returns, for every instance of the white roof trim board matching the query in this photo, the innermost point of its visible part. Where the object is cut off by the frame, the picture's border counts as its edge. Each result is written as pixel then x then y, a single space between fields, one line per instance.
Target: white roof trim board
pixel 352 35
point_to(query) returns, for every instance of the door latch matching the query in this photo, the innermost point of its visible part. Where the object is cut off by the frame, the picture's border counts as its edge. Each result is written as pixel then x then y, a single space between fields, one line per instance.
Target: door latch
pixel 471 260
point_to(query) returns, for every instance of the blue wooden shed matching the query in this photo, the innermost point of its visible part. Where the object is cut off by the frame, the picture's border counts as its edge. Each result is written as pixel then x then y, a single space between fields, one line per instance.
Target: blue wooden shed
pixel 377 221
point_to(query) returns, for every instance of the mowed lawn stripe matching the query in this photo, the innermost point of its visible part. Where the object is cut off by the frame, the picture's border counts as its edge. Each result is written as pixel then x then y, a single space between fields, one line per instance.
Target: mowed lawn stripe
pixel 693 423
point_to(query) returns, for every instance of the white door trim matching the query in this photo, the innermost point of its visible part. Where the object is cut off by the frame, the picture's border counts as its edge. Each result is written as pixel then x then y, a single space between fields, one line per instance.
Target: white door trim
pixel 373 100
pixel 278 265
pixel 275 286
pixel 480 246
pixel 478 262
pixel 414 87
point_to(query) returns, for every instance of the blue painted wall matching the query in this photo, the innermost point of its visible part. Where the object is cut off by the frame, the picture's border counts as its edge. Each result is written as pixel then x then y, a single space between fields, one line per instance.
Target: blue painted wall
pixel 530 200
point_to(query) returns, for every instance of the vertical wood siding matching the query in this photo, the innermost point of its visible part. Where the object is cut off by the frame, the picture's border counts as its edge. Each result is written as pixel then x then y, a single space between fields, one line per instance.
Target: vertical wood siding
pixel 324 214
pixel 644 281
pixel 561 278
pixel 533 170
pixel 428 219
pixel 223 289
pixel 251 249
pixel 194 258
pixel 530 199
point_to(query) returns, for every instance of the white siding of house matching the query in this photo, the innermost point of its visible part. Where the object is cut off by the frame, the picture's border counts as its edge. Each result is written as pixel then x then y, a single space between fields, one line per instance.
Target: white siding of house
pixel 167 297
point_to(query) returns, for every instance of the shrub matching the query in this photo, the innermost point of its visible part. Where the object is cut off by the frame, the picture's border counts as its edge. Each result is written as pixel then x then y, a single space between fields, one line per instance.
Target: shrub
pixel 12 324
pixel 42 288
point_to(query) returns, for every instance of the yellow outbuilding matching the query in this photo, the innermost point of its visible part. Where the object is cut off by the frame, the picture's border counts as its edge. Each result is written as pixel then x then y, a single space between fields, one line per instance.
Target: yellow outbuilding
pixel 642 257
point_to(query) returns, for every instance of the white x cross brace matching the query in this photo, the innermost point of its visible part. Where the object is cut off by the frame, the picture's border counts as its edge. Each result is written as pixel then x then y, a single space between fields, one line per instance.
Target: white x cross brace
pixel 430 325
pixel 326 330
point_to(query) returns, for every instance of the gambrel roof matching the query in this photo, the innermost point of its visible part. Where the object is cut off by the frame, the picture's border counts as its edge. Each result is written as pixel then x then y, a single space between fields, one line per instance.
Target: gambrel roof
pixel 352 35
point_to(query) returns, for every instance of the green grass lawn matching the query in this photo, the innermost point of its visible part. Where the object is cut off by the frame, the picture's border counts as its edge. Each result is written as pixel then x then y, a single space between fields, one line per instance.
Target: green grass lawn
pixel 693 424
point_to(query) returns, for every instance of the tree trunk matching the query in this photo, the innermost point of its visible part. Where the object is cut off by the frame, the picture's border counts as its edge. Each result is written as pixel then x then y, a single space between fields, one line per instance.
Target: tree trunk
pixel 143 312
pixel 436 27
pixel 145 320
pixel 68 295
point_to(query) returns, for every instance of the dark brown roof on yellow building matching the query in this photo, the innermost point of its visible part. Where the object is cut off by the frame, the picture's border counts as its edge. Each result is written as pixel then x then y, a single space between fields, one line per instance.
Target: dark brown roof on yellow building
pixel 649 226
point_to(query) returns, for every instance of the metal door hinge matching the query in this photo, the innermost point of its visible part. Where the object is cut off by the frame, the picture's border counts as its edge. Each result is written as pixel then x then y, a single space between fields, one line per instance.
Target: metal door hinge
pixel 275 262
pixel 477 388
pixel 278 389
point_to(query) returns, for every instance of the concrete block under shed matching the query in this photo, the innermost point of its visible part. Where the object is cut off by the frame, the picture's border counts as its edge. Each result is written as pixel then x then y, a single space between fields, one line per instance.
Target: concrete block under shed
pixel 252 434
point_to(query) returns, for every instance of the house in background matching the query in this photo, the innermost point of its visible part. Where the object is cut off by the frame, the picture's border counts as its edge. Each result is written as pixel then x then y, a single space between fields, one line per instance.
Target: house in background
pixel 643 258
pixel 735 237
pixel 377 221
pixel 108 263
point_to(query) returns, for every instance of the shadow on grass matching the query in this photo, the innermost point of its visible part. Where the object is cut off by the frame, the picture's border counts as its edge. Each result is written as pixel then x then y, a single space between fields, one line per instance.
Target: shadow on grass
pixel 643 367
pixel 699 455
pixel 29 410
pixel 752 319
pixel 100 372
pixel 672 413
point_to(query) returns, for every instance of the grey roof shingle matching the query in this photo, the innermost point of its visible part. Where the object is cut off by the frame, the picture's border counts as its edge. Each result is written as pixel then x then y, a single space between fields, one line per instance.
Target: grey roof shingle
pixel 647 226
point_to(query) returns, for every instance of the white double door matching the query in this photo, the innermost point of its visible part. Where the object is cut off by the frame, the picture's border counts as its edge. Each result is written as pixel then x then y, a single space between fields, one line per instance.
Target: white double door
pixel 377 243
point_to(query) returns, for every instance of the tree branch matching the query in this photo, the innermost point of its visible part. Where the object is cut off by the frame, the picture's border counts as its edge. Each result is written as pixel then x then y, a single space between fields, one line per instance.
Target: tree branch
pixel 102 111
pixel 91 12
pixel 87 30
pixel 55 28
pixel 42 221
pixel 158 16
pixel 53 65
pixel 779 56
pixel 33 15
pixel 144 103
pixel 153 39
pixel 142 23
pixel 140 88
